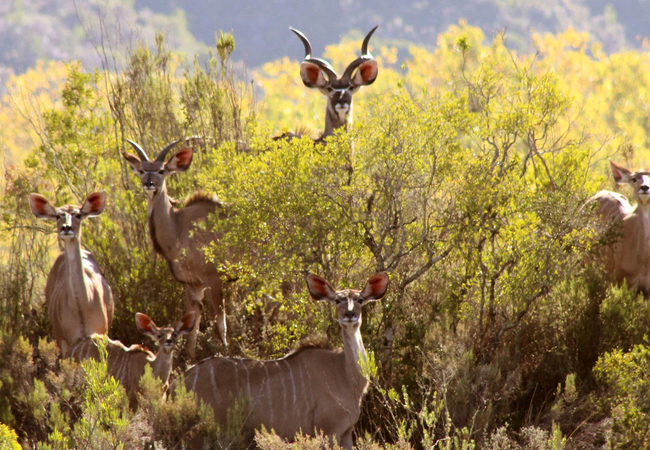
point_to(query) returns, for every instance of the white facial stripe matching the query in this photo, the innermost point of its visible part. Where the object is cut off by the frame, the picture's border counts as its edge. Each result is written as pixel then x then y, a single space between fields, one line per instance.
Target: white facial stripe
pixel 68 219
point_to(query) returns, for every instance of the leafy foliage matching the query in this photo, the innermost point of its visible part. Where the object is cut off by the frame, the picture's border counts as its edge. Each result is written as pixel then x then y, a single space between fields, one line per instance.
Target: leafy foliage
pixel 464 177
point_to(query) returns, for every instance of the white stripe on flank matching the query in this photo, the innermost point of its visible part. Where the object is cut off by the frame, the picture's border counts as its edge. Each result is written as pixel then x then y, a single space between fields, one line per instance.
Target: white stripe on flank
pixel 248 379
pixel 196 377
pixel 293 383
pixel 268 391
pixel 302 385
pixel 214 385
pixel 309 389
pixel 284 388
pixel 124 369
pixel 236 377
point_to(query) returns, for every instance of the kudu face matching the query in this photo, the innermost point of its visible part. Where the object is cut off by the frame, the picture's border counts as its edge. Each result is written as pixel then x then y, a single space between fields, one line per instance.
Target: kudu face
pixel 318 73
pixel 152 173
pixel 68 218
pixel 640 181
pixel 348 302
pixel 165 337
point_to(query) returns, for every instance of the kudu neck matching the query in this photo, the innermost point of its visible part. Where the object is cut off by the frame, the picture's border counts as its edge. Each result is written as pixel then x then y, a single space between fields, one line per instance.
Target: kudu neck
pixel 333 120
pixel 74 264
pixel 643 209
pixel 161 365
pixel 355 355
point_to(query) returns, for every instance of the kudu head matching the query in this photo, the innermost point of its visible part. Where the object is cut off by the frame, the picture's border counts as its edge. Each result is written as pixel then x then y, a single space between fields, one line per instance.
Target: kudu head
pixel 68 218
pixel 152 173
pixel 640 181
pixel 318 73
pixel 348 302
pixel 165 337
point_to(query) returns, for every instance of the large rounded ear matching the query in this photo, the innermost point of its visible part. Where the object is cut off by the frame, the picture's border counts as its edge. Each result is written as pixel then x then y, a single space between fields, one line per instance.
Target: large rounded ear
pixel 145 324
pixel 94 204
pixel 133 161
pixel 186 324
pixel 41 207
pixel 366 73
pixel 375 288
pixel 181 160
pixel 319 289
pixel 312 75
pixel 620 173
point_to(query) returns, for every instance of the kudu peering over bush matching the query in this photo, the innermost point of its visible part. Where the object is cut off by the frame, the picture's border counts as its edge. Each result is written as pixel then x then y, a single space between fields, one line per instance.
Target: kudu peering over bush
pixel 628 259
pixel 311 390
pixel 319 74
pixel 180 235
pixel 79 300
pixel 126 364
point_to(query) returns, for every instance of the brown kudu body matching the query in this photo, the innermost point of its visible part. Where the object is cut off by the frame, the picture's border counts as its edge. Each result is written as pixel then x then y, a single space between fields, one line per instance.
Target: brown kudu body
pixel 127 364
pixel 312 390
pixel 78 298
pixel 628 259
pixel 319 74
pixel 180 235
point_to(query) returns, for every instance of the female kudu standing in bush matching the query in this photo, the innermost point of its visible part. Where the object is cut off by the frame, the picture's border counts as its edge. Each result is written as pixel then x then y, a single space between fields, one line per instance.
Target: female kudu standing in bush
pixel 628 259
pixel 180 235
pixel 311 390
pixel 126 364
pixel 79 300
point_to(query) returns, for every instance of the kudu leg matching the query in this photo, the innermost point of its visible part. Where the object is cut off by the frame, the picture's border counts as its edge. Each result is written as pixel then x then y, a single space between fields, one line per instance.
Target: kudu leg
pixel 346 439
pixel 216 300
pixel 194 302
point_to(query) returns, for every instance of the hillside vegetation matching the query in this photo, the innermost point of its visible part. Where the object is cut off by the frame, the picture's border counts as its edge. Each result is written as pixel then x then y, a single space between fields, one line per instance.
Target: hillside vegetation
pixel 464 177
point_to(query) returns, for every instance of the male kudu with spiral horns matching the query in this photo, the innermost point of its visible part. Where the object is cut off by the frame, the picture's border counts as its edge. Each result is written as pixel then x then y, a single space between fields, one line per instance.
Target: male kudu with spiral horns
pixel 180 235
pixel 319 74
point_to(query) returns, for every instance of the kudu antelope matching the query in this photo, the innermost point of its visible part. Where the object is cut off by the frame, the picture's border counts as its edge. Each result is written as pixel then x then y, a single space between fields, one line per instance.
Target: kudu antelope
pixel 78 298
pixel 318 73
pixel 179 235
pixel 629 257
pixel 127 364
pixel 311 390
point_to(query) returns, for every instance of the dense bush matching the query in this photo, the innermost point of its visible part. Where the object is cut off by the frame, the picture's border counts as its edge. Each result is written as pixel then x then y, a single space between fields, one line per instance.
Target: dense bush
pixel 464 177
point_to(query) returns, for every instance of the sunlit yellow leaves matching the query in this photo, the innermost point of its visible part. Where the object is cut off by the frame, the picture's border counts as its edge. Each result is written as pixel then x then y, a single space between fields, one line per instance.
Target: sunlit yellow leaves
pixel 28 96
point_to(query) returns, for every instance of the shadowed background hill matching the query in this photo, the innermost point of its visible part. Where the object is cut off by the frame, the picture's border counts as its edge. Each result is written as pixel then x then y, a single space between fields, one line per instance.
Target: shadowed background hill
pixel 51 29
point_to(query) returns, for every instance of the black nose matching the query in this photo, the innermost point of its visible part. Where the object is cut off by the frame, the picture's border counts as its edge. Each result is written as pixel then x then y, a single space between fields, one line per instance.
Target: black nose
pixel 349 314
pixel 645 188
pixel 66 228
pixel 170 342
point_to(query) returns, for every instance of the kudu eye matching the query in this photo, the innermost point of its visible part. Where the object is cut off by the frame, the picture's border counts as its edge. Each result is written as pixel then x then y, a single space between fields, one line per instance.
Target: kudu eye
pixel 634 179
pixel 78 215
pixel 161 172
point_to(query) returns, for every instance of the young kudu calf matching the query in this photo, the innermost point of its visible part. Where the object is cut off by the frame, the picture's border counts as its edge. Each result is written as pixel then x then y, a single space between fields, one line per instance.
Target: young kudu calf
pixel 629 257
pixel 180 235
pixel 311 390
pixel 127 365
pixel 319 74
pixel 79 300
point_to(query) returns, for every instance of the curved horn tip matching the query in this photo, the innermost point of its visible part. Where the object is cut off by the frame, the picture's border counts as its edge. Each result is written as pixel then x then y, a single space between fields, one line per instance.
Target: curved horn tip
pixel 304 40
pixel 364 46
pixel 138 149
pixel 164 151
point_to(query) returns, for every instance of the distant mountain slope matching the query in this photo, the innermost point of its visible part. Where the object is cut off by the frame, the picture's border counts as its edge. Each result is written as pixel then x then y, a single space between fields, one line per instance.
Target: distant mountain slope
pixel 261 26
pixel 72 29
